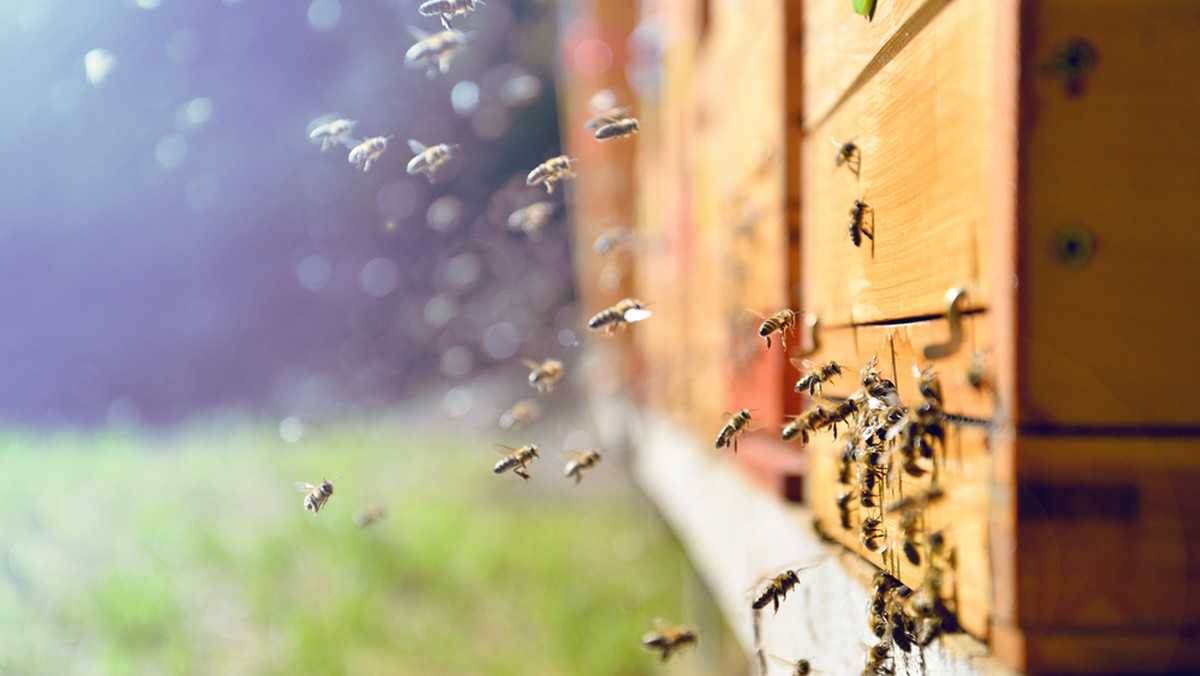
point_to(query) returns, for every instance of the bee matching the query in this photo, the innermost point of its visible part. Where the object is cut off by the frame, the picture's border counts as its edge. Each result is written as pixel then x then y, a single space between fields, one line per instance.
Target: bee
pixel 580 463
pixel 531 219
pixel 626 311
pixel 618 129
pixel 363 154
pixel 666 639
pixel 522 413
pixel 332 133
pixel 782 322
pixel 611 239
pixel 776 590
pixel 817 375
pixel 843 505
pixel 604 110
pixel 553 169
pixel 515 459
pixel 878 387
pixel 801 667
pixel 845 458
pixel 317 495
pixel 929 385
pixel 977 373
pixel 365 517
pixel 810 421
pixel 878 657
pixel 737 425
pixel 848 154
pixel 543 376
pixel 857 230
pixel 871 530
pixel 434 51
pixel 428 158
pixel 901 626
pixel 448 9
pixel 842 412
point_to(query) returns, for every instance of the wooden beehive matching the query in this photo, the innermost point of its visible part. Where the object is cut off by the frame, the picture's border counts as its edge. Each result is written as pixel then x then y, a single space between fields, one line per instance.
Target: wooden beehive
pixel 1034 161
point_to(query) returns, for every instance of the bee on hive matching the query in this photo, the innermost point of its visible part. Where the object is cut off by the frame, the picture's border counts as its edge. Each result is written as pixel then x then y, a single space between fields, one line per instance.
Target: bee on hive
pixel 848 154
pixel 857 229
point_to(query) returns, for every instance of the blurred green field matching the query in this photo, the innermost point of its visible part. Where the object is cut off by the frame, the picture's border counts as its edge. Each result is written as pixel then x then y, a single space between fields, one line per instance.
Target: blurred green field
pixel 190 553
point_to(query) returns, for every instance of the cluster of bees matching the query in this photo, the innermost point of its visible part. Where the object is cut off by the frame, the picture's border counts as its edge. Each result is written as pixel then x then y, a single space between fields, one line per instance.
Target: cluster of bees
pixel 884 443
pixel 433 52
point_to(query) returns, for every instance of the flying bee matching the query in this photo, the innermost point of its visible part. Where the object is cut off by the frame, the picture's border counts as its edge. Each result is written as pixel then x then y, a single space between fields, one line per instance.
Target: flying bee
pixel 515 459
pixel 448 9
pixel 434 51
pixel 332 133
pixel 626 311
pixel 800 667
pixel 543 376
pixel 776 590
pixel 842 412
pixel 848 154
pixel 317 495
pixel 843 505
pixel 618 129
pixel 531 219
pixel 579 463
pixel 550 171
pixel 781 321
pixel 878 387
pixel 872 532
pixel 604 110
pixel 809 421
pixel 428 158
pixel 611 239
pixel 666 639
pixel 522 413
pixel 363 154
pixel 365 517
pixel 857 230
pixel 736 426
pixel 929 385
pixel 817 375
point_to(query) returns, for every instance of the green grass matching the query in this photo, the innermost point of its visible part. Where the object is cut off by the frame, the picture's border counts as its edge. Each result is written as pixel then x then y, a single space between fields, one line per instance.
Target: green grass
pixel 191 554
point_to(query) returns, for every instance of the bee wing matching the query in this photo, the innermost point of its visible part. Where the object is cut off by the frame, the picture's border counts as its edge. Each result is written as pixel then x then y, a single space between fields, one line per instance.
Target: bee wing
pixel 417 32
pixel 304 487
pixel 636 315
pixel 602 101
pixel 502 449
pixel 349 141
pixel 533 365
pixel 417 146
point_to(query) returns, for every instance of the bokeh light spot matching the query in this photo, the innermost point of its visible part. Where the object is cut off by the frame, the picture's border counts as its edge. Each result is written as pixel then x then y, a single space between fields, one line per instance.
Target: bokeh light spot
pixel 323 15
pixel 489 123
pixel 501 340
pixel 445 213
pixel 396 199
pixel 457 362
pixel 593 56
pixel 520 90
pixel 314 272
pixel 98 64
pixel 171 151
pixel 438 311
pixel 192 115
pixel 458 402
pixel 291 429
pixel 566 338
pixel 379 277
pixel 463 270
pixel 464 97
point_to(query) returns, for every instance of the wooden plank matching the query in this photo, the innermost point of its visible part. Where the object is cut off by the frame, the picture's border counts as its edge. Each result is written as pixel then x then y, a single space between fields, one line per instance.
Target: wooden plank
pixel 1107 535
pixel 923 125
pixel 1107 653
pixel 839 45
pixel 1110 339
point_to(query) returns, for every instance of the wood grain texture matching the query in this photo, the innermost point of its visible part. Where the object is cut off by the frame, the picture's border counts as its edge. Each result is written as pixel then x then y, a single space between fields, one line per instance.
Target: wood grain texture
pixel 923 125
pixel 839 45
pixel 1111 341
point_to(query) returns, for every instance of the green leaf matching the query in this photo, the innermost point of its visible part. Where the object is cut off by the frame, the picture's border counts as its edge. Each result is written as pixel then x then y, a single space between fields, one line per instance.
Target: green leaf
pixel 864 7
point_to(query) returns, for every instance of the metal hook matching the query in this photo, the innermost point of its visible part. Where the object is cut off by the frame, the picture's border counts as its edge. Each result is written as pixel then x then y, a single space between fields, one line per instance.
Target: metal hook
pixel 954 297
pixel 810 335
